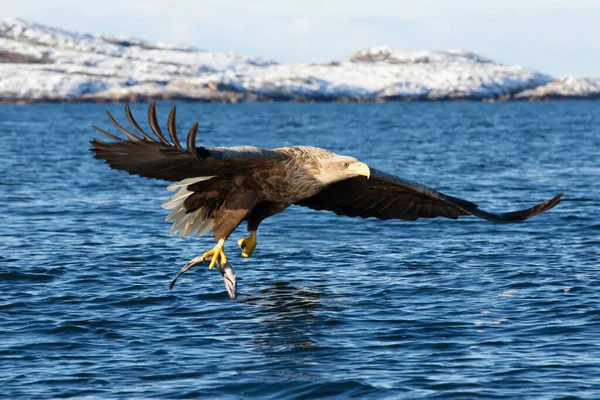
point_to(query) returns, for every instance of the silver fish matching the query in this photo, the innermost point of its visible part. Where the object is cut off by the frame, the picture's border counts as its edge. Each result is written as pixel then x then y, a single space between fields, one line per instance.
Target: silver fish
pixel 227 271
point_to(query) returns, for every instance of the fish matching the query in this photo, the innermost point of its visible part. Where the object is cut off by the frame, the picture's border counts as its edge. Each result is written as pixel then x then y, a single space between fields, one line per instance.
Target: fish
pixel 227 272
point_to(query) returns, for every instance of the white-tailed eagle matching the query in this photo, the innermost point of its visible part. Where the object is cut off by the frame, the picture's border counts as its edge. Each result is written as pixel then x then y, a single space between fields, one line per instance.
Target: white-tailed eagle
pixel 216 189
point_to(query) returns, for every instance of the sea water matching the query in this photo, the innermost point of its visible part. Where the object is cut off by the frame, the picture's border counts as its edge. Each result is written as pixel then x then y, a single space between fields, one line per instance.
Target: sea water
pixel 327 305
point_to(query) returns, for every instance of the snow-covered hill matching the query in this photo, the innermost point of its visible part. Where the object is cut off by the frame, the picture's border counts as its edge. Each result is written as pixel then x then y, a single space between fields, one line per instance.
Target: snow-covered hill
pixel 568 87
pixel 40 63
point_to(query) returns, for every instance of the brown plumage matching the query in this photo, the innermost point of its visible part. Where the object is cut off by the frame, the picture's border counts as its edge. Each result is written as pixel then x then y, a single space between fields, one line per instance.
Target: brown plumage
pixel 219 188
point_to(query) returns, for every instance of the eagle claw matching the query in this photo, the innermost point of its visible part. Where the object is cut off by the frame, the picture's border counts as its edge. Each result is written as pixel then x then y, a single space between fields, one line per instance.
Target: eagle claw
pixel 247 245
pixel 215 254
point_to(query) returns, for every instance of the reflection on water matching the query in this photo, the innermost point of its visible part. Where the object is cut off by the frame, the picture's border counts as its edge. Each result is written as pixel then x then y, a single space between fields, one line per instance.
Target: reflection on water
pixel 287 314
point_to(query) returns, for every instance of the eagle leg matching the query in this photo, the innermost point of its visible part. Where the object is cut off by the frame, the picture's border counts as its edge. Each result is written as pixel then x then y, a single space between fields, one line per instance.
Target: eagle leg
pixel 216 253
pixel 247 245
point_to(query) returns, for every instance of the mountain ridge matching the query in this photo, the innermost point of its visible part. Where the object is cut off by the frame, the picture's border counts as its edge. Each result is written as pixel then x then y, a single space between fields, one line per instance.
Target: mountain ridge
pixel 39 63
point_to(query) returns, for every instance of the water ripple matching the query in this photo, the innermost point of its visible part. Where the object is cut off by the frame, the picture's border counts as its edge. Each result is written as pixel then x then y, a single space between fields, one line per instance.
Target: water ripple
pixel 327 306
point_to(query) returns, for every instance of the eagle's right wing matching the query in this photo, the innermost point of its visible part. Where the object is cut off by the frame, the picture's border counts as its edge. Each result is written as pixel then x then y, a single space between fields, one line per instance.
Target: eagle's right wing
pixel 385 196
pixel 157 157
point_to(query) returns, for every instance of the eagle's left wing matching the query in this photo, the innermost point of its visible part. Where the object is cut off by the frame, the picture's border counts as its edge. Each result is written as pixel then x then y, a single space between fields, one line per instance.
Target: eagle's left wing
pixel 385 196
pixel 156 156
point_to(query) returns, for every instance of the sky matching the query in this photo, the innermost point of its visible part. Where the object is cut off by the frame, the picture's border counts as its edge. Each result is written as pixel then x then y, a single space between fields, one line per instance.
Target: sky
pixel 558 37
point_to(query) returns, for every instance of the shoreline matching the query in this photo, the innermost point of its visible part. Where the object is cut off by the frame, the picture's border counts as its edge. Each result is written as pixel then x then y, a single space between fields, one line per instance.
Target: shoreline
pixel 258 99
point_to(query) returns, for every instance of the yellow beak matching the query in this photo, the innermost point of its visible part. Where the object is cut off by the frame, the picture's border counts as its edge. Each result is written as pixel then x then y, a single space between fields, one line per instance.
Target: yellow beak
pixel 362 169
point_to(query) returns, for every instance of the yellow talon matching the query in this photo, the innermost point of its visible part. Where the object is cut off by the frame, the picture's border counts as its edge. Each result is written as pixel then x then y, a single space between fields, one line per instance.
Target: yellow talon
pixel 216 253
pixel 248 244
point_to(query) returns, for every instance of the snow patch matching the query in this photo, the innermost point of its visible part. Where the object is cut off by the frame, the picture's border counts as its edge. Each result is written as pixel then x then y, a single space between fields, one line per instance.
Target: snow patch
pixel 41 63
pixel 567 87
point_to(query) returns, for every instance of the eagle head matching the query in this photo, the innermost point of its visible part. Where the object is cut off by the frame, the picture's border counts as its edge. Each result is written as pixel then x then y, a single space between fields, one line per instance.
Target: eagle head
pixel 337 168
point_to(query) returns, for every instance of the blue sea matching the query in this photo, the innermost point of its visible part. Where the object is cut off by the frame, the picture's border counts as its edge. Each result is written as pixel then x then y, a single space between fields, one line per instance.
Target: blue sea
pixel 328 306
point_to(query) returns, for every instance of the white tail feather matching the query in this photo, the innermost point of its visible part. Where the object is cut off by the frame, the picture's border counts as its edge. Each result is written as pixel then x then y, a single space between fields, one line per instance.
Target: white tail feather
pixel 188 181
pixel 177 198
pixel 205 227
pixel 180 223
pixel 189 225
pixel 176 213
pixel 186 223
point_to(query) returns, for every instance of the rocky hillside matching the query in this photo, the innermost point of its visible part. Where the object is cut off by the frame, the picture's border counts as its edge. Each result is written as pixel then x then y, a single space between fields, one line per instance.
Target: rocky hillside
pixel 41 63
pixel 569 87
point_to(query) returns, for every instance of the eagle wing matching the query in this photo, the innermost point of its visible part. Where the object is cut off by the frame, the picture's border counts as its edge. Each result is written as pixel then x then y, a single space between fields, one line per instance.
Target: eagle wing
pixel 157 157
pixel 385 196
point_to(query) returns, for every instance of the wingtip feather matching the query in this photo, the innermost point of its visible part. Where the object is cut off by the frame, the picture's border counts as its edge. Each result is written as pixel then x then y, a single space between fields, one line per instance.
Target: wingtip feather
pixel 172 128
pixel 191 139
pixel 108 135
pixel 153 120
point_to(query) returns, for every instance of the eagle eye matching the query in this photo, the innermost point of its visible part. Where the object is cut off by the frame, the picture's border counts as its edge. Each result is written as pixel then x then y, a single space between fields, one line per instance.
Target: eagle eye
pixel 346 165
